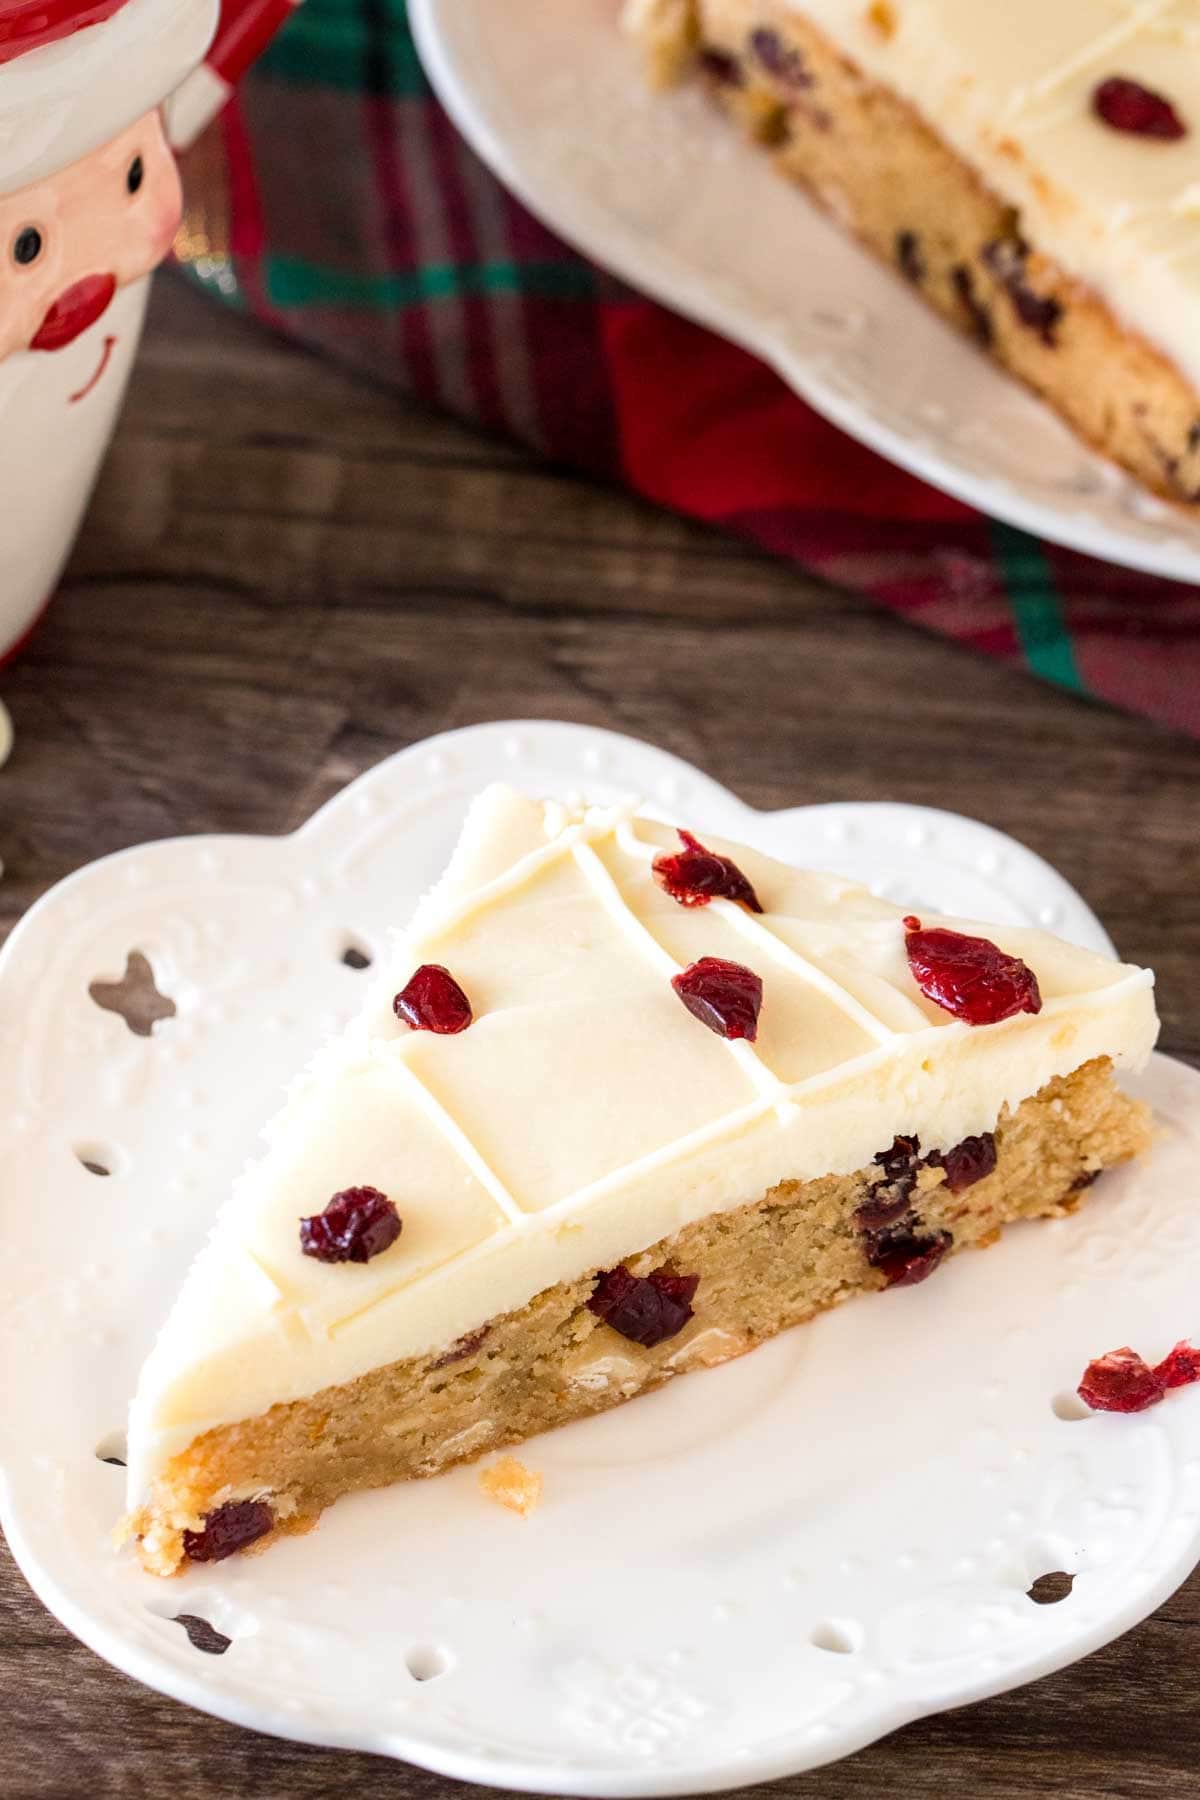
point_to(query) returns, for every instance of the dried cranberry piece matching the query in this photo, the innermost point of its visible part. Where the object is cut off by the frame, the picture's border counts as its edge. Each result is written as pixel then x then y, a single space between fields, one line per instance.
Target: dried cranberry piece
pixel 966 1163
pixel 694 876
pixel 977 315
pixel 229 1529
pixel 778 59
pixel 1006 258
pixel 433 1001
pixel 969 976
pixel 1126 105
pixel 646 1309
pixel 909 258
pixel 355 1226
pixel 724 69
pixel 1179 1367
pixel 889 1197
pixel 905 1257
pixel 1121 1382
pixel 722 995
pixel 463 1347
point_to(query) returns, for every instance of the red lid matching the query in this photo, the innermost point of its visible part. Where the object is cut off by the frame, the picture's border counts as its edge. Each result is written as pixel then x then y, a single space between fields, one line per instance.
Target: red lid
pixel 28 24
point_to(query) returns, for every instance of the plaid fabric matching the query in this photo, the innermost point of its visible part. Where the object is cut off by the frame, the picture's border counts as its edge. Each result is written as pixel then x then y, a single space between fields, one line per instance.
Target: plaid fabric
pixel 334 200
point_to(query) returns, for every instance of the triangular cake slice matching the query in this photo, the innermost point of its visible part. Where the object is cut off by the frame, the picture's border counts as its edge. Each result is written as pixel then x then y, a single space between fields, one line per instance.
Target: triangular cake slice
pixel 625 1103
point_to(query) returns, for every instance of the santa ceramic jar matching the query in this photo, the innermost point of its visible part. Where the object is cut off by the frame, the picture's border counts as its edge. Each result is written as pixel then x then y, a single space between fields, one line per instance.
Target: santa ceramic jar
pixel 89 206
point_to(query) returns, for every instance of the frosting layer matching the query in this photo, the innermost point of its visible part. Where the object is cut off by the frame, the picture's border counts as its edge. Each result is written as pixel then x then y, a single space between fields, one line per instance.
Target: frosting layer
pixel 1009 85
pixel 586 1113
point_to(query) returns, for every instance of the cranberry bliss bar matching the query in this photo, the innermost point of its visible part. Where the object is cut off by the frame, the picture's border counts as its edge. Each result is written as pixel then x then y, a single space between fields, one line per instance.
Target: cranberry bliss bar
pixel 1032 167
pixel 624 1104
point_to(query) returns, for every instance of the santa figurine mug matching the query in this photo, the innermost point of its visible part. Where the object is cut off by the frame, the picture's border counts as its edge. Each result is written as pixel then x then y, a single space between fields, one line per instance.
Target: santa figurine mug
pixel 95 95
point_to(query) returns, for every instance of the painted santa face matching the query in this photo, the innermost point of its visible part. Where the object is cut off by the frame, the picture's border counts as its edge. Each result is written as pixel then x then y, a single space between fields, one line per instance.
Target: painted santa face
pixel 69 242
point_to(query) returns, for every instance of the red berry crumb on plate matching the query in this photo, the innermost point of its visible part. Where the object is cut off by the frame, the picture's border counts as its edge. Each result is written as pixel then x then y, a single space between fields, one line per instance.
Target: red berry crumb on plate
pixel 1121 1382
pixel 1180 1366
pixel 1124 1382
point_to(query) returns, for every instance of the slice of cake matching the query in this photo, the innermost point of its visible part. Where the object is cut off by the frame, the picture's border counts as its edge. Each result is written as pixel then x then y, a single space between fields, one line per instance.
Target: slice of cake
pixel 1032 167
pixel 624 1104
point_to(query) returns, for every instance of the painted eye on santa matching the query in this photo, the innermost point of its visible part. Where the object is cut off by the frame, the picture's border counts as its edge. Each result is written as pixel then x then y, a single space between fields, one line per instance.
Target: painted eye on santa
pixel 27 246
pixel 136 175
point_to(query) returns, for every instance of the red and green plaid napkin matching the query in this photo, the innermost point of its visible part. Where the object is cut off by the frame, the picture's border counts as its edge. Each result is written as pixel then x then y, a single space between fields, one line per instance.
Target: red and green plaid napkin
pixel 335 201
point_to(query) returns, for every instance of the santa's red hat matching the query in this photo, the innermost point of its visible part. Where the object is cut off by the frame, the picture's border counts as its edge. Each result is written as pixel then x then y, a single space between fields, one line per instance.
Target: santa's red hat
pixel 74 73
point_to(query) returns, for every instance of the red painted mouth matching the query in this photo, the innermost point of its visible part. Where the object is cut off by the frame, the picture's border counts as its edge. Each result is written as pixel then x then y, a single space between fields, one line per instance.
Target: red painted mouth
pixel 110 344
pixel 74 310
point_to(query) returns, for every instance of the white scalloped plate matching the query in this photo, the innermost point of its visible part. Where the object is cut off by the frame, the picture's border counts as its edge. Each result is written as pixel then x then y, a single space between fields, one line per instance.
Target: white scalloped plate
pixel 658 188
pixel 752 1572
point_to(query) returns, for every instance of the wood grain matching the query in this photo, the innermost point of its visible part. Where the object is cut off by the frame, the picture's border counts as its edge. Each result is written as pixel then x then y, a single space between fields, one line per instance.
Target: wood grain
pixel 286 575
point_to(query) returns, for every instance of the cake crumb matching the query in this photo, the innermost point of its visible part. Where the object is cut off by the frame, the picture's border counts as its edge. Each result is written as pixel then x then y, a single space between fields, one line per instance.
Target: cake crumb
pixel 509 1483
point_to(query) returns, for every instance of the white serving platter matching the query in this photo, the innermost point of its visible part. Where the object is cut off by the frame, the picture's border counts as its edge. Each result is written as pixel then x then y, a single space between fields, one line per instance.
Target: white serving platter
pixel 750 1573
pixel 660 189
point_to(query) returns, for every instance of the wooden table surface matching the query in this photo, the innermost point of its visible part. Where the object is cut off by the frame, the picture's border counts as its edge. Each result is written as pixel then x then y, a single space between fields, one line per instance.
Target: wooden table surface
pixel 285 576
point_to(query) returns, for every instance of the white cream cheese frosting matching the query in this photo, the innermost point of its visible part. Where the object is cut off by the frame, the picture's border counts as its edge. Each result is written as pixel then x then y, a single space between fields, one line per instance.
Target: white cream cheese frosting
pixel 1008 84
pixel 585 1113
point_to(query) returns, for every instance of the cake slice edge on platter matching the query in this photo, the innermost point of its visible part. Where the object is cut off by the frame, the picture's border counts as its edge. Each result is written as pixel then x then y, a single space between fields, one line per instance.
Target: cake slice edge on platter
pixel 1031 170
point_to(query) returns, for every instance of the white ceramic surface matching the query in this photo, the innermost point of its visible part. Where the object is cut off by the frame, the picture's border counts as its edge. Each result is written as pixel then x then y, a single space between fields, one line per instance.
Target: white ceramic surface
pixel 51 444
pixel 58 104
pixel 661 190
pixel 754 1571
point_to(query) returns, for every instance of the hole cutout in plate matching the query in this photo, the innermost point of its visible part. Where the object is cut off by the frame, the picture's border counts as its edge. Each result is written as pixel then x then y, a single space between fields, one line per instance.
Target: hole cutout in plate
pixel 111 1449
pixel 203 1636
pixel 1070 1407
pixel 428 1662
pixel 841 1637
pixel 97 1159
pixel 136 997
pixel 355 954
pixel 1049 1589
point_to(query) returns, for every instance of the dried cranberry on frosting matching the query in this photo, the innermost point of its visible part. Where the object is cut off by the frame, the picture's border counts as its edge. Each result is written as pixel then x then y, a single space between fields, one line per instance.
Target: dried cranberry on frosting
pixel 970 977
pixel 694 876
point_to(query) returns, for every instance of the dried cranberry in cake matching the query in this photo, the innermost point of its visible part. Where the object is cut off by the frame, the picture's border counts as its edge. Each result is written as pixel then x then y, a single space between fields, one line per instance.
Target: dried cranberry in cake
pixel 722 995
pixel 462 1348
pixel 645 1309
pixel 356 1225
pixel 778 59
pixel 433 1001
pixel 889 1196
pixel 694 876
pixel 906 1257
pixel 1179 1367
pixel 229 1529
pixel 969 976
pixel 1126 105
pixel 1007 258
pixel 965 1163
pixel 909 258
pixel 1121 1382
pixel 723 69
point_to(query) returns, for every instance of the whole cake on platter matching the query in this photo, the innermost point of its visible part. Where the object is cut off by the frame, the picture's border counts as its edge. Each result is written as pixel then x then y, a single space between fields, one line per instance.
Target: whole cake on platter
pixel 1032 167
pixel 622 1104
